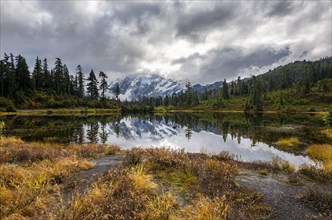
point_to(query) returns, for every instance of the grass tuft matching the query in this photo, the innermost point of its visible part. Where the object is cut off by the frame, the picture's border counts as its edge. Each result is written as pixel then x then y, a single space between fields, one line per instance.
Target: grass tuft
pixel 225 156
pixel 321 153
pixel 280 164
pixel 289 143
pixel 206 208
pixel 140 179
pixel 9 141
pixel 328 132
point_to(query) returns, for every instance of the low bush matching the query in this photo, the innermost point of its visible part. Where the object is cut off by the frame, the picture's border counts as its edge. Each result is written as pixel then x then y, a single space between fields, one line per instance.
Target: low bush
pixel 6 105
pixel 328 117
pixel 315 173
pixel 319 198
pixel 216 178
pixel 225 156
pixel 280 164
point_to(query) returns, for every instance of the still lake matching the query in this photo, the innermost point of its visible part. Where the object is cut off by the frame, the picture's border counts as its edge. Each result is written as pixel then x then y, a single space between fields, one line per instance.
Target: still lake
pixel 250 137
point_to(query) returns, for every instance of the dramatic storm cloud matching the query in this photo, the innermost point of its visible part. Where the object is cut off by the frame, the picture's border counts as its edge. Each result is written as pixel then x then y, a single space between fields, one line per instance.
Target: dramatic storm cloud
pixel 198 41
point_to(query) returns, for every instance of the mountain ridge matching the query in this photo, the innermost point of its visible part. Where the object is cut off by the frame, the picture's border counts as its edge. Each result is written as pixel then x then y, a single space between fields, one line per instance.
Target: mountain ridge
pixel 133 87
pixel 149 85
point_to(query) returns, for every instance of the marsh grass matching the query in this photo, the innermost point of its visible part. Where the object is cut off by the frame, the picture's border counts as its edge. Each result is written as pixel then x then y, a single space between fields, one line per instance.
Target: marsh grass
pixel 206 208
pixel 32 175
pixel 322 172
pixel 321 153
pixel 31 190
pixel 153 183
pixel 13 150
pixel 291 143
pixel 328 132
pixel 184 179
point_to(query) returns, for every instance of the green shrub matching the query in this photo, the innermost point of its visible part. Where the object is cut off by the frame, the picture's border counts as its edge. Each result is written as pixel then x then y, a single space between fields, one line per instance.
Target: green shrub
pixel 328 117
pixel 10 108
pixel 6 105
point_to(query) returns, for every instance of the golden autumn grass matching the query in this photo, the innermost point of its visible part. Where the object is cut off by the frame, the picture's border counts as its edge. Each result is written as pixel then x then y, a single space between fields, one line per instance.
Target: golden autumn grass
pixel 328 132
pixel 150 184
pixel 321 153
pixel 319 197
pixel 168 184
pixel 32 173
pixel 153 183
pixel 289 143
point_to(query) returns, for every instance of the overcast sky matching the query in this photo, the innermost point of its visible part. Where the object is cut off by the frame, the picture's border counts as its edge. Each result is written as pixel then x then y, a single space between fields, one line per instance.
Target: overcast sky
pixel 200 41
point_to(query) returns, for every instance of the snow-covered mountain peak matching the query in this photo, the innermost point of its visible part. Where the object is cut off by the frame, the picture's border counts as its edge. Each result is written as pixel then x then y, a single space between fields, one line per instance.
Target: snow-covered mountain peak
pixel 150 85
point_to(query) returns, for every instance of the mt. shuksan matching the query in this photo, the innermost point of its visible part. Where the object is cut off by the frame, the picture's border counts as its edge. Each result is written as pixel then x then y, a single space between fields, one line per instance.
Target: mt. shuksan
pixel 153 85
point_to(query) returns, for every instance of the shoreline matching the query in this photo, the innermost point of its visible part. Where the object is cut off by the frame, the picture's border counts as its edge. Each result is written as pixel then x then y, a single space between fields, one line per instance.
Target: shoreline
pixel 95 111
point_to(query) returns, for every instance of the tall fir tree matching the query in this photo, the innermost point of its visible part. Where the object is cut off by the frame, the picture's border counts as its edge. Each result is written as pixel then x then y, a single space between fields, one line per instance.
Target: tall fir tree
pixel 47 84
pixel 37 76
pixel 189 94
pixel 92 86
pixel 58 76
pixel 103 83
pixel 66 79
pixel 80 81
pixel 255 95
pixel 22 74
pixel 11 81
pixel 238 86
pixel 225 92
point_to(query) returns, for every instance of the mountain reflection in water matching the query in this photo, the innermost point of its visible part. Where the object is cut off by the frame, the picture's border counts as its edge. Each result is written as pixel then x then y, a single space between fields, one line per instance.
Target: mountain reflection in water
pixel 250 137
pixel 134 132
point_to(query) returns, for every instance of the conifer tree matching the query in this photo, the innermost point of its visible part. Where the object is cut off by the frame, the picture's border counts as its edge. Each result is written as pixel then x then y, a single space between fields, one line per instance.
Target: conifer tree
pixel 103 83
pixel 238 86
pixel 92 86
pixel 47 84
pixel 11 79
pixel 80 81
pixel 225 92
pixel 22 74
pixel 66 79
pixel 58 76
pixel 2 76
pixel 36 78
pixel 189 94
pixel 255 95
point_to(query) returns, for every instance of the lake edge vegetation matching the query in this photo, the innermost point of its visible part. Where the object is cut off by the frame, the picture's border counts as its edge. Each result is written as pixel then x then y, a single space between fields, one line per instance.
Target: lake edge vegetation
pixel 153 183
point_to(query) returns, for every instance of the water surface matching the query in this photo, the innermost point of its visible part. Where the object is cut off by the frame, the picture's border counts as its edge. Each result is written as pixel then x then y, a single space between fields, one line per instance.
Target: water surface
pixel 250 137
